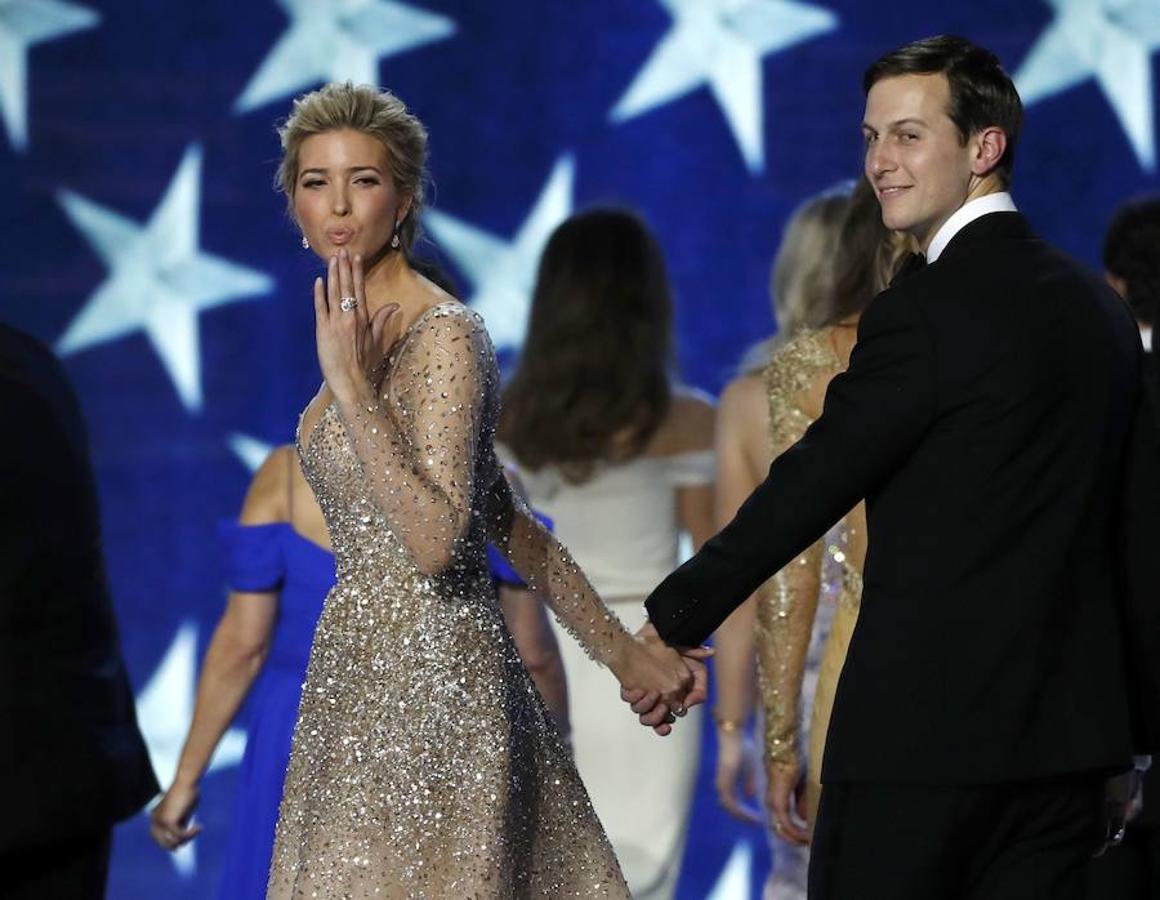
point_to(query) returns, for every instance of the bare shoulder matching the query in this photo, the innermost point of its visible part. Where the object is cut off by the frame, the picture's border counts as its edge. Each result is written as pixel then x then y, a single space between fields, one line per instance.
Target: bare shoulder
pixel 688 426
pixel 266 498
pixel 743 418
pixel 743 400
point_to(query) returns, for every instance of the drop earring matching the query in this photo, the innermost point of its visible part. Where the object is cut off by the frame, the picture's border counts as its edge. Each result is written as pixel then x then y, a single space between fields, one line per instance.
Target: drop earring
pixel 305 243
pixel 395 241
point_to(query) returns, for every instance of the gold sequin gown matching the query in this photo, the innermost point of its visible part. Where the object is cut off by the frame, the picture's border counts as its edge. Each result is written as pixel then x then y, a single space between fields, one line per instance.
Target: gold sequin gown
pixel 424 762
pixel 829 572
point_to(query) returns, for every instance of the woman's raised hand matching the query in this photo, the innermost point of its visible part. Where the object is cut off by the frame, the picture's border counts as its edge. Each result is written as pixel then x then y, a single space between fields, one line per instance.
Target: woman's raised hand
pixel 351 343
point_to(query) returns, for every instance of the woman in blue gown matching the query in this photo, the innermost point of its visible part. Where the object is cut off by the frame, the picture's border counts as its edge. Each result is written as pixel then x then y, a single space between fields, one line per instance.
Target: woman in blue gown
pixel 279 568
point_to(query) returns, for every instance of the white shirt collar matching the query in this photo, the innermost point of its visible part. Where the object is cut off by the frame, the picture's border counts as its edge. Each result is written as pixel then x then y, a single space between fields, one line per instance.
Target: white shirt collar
pixel 963 216
pixel 1146 337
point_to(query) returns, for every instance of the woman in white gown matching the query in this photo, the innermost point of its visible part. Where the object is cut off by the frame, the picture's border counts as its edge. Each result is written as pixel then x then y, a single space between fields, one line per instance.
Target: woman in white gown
pixel 622 463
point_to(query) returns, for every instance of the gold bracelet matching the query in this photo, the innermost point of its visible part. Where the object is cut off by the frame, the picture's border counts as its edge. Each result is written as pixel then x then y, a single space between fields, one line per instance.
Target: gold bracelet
pixel 726 726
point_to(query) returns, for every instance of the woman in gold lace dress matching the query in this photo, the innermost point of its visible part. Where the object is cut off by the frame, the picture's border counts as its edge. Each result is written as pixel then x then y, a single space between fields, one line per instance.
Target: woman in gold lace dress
pixel 785 396
pixel 424 762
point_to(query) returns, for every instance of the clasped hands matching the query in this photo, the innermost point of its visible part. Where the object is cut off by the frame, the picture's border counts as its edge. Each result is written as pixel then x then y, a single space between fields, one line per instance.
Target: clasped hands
pixel 658 709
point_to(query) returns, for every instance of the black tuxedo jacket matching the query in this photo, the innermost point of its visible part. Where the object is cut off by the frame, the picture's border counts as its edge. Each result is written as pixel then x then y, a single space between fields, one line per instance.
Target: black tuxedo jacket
pixel 72 760
pixel 987 418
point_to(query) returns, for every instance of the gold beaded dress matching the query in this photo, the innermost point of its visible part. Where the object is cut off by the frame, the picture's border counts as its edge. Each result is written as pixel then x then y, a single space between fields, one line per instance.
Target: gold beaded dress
pixel 830 571
pixel 424 762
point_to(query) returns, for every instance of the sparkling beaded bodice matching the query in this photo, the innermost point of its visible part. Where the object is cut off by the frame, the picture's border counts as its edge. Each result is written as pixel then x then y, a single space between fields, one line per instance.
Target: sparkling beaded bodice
pixel 367 543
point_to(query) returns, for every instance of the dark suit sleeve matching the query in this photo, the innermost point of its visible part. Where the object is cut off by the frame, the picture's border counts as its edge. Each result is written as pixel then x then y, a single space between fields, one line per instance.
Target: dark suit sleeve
pixel 874 415
pixel 1140 538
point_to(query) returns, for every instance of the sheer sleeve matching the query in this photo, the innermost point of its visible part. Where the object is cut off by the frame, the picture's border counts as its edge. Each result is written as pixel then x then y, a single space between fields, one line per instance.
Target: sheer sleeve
pixel 416 441
pixel 788 603
pixel 550 571
pixel 785 618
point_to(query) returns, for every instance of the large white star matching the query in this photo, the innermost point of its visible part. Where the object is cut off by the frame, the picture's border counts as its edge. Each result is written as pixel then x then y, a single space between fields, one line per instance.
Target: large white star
pixel 158 279
pixel 164 711
pixel 251 451
pixel 338 40
pixel 734 882
pixel 721 43
pixel 503 273
pixel 1111 41
pixel 22 24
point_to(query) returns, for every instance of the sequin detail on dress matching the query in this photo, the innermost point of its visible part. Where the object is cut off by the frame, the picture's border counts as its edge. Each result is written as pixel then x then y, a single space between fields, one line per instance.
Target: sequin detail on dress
pixel 788 602
pixel 425 764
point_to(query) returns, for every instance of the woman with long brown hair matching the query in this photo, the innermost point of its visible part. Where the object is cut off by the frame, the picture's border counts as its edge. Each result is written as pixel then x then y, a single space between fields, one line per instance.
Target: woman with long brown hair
pixel 621 460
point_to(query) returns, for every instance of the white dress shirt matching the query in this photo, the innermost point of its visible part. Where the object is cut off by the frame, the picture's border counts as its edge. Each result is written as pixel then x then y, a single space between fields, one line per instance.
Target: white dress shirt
pixel 963 216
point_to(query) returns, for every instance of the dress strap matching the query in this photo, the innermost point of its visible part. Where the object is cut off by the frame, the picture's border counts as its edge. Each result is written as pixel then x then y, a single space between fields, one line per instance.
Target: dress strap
pixel 694 468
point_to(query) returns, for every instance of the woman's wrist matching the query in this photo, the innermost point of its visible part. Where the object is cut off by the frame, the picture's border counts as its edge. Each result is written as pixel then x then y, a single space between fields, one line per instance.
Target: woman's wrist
pixel 624 645
pixel 353 392
pixel 186 778
pixel 728 724
pixel 784 763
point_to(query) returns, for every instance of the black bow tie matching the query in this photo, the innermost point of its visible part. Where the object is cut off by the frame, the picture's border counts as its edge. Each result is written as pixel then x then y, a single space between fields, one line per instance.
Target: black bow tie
pixel 910 265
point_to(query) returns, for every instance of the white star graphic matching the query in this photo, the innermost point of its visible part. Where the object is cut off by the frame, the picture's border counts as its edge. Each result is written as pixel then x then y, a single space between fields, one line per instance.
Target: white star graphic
pixel 1111 41
pixel 251 451
pixel 338 40
pixel 24 23
pixel 721 43
pixel 164 711
pixel 734 882
pixel 503 273
pixel 158 279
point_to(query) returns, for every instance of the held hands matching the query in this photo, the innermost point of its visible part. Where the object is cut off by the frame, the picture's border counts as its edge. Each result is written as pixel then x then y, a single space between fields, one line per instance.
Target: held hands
pixel 351 344
pixel 659 705
pixel 169 822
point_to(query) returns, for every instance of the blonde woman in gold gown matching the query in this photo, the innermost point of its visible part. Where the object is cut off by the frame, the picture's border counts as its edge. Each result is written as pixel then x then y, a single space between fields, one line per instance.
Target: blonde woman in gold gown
pixel 798 626
pixel 424 762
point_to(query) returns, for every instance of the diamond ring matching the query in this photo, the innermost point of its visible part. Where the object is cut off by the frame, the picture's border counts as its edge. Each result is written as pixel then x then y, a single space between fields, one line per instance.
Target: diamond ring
pixel 347 304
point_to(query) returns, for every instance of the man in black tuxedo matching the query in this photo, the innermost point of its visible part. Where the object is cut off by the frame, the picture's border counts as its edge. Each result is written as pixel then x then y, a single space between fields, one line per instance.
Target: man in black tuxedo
pixel 1131 255
pixel 1132 266
pixel 72 761
pixel 985 418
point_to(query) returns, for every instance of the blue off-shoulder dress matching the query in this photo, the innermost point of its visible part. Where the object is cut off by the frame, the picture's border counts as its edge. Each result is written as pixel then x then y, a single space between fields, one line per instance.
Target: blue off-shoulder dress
pixel 271 557
pixel 275 557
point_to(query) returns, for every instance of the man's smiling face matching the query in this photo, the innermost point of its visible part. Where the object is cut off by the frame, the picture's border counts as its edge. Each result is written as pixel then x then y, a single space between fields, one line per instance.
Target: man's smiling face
pixel 916 160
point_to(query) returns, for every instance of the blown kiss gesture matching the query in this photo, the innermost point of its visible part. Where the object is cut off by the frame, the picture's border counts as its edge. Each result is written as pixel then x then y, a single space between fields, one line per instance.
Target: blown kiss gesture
pixel 352 340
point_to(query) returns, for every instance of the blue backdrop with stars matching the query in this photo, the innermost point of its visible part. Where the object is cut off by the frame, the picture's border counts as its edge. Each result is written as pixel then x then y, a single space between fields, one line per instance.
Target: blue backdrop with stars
pixel 144 242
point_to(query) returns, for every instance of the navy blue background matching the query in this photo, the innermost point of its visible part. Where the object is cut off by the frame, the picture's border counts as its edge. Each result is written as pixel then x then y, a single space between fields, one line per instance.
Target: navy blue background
pixel 113 108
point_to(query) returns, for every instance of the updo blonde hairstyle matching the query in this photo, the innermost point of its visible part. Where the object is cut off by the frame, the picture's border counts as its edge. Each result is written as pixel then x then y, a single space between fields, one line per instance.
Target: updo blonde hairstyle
pixel 374 112
pixel 802 277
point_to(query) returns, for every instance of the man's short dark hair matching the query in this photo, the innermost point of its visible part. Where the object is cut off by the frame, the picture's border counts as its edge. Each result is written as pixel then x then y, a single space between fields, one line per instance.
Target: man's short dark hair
pixel 1132 253
pixel 982 94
